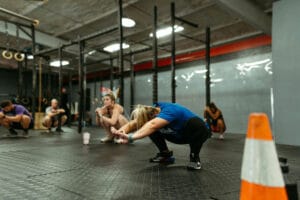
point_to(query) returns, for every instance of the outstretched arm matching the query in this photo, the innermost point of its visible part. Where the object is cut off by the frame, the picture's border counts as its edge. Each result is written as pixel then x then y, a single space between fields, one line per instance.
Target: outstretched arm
pixel 146 130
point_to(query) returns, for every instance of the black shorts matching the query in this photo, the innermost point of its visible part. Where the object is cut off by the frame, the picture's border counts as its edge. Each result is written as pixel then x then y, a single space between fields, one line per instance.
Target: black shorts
pixel 16 125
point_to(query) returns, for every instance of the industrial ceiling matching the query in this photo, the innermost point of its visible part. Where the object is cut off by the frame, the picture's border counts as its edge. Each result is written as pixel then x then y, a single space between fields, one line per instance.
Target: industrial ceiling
pixel 61 22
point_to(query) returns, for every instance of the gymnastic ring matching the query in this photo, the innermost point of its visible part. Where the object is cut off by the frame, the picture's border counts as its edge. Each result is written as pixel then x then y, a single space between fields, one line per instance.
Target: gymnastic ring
pixel 25 101
pixel 35 22
pixel 7 54
pixel 19 57
pixel 17 100
pixel 45 101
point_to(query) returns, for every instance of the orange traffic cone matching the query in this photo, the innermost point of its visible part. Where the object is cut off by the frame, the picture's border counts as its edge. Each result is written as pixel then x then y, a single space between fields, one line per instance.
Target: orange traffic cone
pixel 261 174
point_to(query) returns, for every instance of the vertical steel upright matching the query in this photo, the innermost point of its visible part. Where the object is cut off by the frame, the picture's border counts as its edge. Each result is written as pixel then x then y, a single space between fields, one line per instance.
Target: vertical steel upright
pixel 81 89
pixel 173 64
pixel 155 63
pixel 132 82
pixel 207 62
pixel 111 73
pixel 25 69
pixel 49 82
pixel 60 72
pixel 59 81
pixel 70 98
pixel 33 102
pixel 20 79
pixel 121 59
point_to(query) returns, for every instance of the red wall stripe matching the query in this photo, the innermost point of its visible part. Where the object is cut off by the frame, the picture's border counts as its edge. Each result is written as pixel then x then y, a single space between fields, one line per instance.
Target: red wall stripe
pixel 214 51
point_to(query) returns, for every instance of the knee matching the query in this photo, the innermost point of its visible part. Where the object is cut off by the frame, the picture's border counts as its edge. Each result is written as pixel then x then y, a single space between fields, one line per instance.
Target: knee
pixel 64 118
pixel 46 120
pixel 25 119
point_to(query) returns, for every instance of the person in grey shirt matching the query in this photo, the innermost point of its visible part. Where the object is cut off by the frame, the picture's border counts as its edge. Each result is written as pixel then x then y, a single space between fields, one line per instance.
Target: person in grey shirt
pixel 54 114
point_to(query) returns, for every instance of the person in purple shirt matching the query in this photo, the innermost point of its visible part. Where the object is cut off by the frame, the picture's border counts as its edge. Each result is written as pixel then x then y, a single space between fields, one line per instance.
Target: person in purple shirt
pixel 166 121
pixel 13 116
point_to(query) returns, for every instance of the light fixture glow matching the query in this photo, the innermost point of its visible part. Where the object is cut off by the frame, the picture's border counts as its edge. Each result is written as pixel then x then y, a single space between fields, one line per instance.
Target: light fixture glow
pixel 92 52
pixel 167 31
pixel 30 57
pixel 203 71
pixel 115 47
pixel 127 22
pixel 55 63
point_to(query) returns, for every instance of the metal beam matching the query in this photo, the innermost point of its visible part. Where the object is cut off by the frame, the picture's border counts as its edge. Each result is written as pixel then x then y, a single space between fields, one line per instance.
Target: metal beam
pixel 41 38
pixel 11 13
pixel 250 13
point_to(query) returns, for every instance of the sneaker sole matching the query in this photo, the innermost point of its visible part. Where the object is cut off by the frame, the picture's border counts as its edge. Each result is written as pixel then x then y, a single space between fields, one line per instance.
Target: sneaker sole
pixel 170 160
pixel 193 168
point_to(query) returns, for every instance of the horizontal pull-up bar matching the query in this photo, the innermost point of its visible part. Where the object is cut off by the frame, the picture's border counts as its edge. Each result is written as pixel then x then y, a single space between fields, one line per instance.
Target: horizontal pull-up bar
pixel 35 22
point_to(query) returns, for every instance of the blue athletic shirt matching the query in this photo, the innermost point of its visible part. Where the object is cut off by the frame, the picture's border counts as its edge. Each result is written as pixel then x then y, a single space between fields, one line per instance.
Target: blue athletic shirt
pixel 174 113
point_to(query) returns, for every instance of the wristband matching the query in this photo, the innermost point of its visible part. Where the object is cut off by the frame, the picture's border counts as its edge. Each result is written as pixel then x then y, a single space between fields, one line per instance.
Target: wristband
pixel 130 139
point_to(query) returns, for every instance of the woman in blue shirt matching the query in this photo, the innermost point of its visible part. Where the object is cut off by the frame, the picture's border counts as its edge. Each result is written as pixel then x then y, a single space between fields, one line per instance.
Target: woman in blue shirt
pixel 166 121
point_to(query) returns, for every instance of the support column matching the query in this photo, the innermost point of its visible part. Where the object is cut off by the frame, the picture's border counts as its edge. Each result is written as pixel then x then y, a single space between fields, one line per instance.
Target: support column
pixel 81 87
pixel 121 59
pixel 173 55
pixel 155 62
pixel 207 63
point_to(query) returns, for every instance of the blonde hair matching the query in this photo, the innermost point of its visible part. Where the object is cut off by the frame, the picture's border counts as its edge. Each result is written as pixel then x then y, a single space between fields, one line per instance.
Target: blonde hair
pixel 142 114
pixel 111 96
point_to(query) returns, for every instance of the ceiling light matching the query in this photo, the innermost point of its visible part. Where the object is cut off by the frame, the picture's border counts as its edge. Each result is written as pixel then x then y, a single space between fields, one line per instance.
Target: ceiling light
pixel 127 22
pixel 115 47
pixel 56 63
pixel 92 52
pixel 167 31
pixel 30 57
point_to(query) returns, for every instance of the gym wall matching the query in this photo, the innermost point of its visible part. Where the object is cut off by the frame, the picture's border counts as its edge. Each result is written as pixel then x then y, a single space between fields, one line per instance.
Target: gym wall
pixel 286 48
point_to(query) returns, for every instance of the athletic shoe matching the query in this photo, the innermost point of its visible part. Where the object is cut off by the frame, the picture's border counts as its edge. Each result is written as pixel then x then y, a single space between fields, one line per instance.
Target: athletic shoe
pixel 25 133
pixel 107 139
pixel 221 137
pixel 12 132
pixel 59 130
pixel 163 158
pixel 194 163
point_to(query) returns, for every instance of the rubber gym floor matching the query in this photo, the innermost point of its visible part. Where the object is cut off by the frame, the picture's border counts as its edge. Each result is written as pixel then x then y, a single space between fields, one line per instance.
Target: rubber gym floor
pixel 59 166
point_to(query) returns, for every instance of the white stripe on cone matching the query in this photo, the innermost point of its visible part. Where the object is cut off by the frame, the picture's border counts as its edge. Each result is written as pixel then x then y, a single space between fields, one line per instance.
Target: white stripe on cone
pixel 260 163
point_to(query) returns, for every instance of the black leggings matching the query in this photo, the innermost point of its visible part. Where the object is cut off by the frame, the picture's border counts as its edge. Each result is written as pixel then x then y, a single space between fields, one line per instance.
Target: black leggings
pixel 194 133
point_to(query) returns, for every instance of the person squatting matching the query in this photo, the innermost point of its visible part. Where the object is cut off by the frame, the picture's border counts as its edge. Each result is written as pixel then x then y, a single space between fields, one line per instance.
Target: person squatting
pixel 166 121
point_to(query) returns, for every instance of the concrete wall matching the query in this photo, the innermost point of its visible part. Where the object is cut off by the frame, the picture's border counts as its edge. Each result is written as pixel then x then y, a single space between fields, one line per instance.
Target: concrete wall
pixel 241 85
pixel 286 56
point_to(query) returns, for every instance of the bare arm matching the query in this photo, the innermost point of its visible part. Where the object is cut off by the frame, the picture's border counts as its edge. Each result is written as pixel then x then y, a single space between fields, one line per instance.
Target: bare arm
pixel 129 127
pixel 150 127
pixel 16 118
pixel 213 115
pixel 146 130
pixel 115 116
